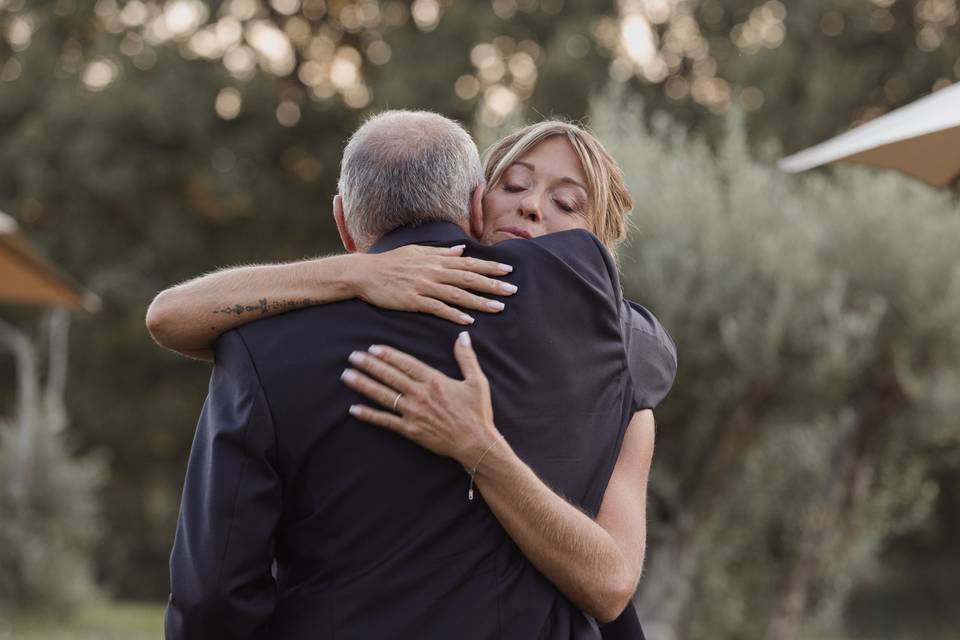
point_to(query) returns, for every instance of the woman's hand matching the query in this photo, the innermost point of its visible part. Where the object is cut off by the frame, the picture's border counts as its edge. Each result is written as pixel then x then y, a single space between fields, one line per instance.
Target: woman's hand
pixel 430 280
pixel 450 417
pixel 595 563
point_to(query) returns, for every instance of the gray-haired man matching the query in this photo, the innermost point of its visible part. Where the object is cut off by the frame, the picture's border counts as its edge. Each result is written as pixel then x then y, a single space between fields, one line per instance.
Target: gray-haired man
pixel 372 535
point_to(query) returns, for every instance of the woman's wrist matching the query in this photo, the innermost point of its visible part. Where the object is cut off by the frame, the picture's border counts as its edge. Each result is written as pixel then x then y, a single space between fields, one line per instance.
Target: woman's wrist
pixel 355 275
pixel 500 471
pixel 481 455
pixel 336 278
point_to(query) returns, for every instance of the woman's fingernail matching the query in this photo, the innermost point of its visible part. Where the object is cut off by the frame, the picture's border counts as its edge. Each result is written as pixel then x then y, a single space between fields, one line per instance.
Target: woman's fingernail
pixel 348 375
pixel 464 338
pixel 459 246
pixel 355 357
pixel 375 349
pixel 355 410
pixel 495 305
pixel 509 288
pixel 505 268
pixel 465 318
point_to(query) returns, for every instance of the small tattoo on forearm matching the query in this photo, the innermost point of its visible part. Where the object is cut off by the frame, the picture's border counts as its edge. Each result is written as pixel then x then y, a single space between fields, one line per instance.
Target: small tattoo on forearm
pixel 239 309
pixel 266 306
pixel 290 305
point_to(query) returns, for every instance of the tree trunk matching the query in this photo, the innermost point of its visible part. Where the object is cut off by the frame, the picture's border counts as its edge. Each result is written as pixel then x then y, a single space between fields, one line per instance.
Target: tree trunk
pixel 667 585
pixel 666 592
pixel 836 502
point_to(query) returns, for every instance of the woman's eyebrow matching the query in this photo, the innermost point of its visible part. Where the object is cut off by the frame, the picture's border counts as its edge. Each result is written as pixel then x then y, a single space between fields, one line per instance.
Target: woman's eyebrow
pixel 529 166
pixel 523 164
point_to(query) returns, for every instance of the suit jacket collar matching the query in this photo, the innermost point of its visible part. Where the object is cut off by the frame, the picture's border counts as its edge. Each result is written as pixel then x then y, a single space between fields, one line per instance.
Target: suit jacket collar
pixel 428 232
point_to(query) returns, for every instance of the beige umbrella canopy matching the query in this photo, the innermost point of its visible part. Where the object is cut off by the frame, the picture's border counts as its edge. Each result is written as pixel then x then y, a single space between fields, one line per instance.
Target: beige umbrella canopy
pixel 27 278
pixel 921 140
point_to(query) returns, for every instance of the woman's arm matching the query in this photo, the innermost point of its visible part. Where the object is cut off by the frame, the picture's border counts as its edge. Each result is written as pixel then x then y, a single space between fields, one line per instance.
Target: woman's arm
pixel 595 563
pixel 189 317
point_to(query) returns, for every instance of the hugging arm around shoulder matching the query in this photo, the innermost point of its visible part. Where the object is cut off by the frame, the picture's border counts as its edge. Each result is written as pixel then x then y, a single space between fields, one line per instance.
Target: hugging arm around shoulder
pixel 221 584
pixel 592 558
pixel 651 359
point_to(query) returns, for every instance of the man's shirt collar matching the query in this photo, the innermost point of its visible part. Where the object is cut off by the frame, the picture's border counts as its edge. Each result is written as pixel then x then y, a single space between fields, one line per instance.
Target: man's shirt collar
pixel 427 232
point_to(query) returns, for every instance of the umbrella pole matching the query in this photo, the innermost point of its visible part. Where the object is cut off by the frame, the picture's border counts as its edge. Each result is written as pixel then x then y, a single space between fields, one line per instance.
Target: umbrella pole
pixel 57 327
pixel 25 359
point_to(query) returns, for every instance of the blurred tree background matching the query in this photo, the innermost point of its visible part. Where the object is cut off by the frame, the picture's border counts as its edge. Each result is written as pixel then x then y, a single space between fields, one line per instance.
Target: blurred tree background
pixel 808 463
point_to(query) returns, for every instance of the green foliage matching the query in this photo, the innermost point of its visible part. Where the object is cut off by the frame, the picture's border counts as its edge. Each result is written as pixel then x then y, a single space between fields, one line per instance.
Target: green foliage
pixel 800 306
pixel 121 189
pixel 817 321
pixel 49 532
pixel 142 184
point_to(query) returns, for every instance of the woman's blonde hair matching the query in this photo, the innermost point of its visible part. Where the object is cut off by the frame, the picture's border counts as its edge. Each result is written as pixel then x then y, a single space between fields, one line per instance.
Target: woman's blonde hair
pixel 610 199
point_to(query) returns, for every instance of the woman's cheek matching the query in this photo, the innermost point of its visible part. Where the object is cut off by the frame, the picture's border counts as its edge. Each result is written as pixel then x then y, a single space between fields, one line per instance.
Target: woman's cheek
pixel 493 209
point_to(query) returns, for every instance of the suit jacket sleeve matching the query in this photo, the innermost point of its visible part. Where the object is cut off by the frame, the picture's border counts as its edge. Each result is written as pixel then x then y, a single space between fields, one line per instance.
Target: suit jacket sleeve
pixel 220 568
pixel 586 256
pixel 651 356
pixel 650 351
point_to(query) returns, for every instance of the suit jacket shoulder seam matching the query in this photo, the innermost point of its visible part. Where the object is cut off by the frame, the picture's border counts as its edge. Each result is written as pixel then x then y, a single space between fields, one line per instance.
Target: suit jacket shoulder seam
pixel 262 391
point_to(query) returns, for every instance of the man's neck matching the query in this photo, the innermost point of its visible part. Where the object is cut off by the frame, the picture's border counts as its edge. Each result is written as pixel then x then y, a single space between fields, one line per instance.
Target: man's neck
pixel 427 232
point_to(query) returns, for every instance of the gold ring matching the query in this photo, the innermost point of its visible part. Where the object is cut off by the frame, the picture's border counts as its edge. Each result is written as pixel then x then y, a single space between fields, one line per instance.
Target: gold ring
pixel 396 401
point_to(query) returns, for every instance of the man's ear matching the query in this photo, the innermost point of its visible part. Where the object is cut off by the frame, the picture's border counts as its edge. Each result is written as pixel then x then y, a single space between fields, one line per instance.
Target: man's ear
pixel 345 236
pixel 476 212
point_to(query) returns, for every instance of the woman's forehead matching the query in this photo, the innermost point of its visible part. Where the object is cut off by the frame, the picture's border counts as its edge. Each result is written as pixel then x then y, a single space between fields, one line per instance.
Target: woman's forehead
pixel 556 158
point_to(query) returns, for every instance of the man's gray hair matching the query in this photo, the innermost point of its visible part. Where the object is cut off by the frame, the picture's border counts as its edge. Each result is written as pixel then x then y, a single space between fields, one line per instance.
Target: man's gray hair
pixel 405 168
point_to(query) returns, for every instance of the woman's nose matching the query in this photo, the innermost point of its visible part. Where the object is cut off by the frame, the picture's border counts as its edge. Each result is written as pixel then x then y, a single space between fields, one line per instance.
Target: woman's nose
pixel 530 210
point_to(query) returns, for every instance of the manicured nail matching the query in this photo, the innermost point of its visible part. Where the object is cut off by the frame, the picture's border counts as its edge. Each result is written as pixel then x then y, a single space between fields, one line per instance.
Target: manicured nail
pixel 509 288
pixel 375 349
pixel 348 375
pixel 464 338
pixel 458 246
pixel 465 318
pixel 355 357
pixel 495 305
pixel 355 410
pixel 505 268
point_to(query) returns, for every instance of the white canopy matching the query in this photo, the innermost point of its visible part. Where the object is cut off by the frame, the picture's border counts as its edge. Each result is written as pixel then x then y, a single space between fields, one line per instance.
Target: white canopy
pixel 921 139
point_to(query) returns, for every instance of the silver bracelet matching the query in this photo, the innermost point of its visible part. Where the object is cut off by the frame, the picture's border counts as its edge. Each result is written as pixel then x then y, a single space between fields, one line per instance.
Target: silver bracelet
pixel 477 466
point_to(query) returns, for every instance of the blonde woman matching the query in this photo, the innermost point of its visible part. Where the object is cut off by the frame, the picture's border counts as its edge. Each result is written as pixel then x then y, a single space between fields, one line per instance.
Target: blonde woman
pixel 546 178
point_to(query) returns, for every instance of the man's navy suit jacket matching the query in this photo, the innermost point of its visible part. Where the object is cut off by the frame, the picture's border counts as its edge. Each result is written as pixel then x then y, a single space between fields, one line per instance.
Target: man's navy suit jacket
pixel 298 521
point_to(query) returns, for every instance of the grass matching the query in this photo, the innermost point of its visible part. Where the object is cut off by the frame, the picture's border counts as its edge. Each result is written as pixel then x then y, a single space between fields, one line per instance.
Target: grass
pixel 103 621
pixel 144 621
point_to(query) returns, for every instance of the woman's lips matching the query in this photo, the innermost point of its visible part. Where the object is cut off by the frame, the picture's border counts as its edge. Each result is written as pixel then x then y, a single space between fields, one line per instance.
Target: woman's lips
pixel 517 232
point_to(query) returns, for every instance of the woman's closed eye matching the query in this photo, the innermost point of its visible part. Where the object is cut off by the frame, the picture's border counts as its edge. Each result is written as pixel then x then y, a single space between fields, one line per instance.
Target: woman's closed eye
pixel 569 207
pixel 513 188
